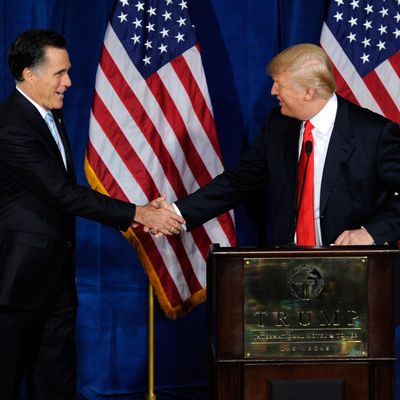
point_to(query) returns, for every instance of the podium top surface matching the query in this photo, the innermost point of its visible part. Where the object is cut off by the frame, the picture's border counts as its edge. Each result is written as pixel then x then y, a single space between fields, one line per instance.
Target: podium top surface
pixel 217 250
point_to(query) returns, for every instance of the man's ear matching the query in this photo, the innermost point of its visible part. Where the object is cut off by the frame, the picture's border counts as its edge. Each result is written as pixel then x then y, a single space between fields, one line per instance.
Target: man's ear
pixel 310 93
pixel 28 75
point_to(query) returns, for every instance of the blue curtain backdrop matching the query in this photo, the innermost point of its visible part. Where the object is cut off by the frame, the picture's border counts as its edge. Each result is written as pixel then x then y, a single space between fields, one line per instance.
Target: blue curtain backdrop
pixel 238 38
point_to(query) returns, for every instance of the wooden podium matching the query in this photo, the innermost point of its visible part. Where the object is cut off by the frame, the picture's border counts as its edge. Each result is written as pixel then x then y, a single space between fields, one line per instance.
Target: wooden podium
pixel 334 339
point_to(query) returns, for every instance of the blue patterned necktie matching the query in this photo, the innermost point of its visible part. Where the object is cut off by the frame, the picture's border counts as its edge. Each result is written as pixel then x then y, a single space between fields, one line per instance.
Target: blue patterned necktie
pixel 54 131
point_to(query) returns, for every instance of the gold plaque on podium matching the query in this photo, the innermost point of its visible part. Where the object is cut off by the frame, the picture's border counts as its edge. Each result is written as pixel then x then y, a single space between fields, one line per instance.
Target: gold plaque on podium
pixel 305 307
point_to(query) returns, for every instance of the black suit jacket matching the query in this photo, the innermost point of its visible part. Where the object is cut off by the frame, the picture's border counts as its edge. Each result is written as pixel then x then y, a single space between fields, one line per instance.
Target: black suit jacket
pixel 360 182
pixel 39 199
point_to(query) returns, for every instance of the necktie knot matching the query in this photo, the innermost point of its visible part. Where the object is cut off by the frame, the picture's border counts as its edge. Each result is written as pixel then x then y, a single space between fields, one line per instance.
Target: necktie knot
pixel 308 127
pixel 49 118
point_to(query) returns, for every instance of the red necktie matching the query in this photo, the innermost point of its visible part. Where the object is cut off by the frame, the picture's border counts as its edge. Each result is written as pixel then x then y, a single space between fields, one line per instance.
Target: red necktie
pixel 305 231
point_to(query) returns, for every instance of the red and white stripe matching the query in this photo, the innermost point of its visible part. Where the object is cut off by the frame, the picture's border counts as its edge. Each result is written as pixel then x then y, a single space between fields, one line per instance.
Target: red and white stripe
pixel 157 136
pixel 378 91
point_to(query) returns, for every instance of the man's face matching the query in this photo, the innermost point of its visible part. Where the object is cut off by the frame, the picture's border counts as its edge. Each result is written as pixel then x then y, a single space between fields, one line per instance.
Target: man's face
pixel 50 80
pixel 290 95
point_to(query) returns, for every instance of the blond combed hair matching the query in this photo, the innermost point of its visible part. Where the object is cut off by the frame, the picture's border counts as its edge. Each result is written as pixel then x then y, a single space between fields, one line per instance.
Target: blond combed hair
pixel 309 66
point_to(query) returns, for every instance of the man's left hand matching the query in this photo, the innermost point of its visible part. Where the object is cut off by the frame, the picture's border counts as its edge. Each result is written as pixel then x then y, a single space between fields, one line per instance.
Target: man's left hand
pixel 354 238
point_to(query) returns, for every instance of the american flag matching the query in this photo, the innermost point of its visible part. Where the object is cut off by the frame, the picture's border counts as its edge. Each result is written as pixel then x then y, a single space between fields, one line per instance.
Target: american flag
pixel 362 38
pixel 152 133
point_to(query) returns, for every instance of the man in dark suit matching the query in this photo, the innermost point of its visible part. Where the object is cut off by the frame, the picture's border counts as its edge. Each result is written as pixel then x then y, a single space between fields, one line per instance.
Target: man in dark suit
pixel 356 162
pixel 39 198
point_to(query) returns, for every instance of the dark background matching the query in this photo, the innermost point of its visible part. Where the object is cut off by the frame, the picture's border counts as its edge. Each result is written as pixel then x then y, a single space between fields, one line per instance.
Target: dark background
pixel 238 38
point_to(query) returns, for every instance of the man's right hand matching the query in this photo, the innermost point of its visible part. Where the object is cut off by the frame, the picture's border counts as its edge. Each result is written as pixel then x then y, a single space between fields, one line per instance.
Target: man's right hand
pixel 158 217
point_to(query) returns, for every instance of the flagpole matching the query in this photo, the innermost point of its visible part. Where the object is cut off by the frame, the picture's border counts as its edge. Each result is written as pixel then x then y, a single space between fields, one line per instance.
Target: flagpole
pixel 150 394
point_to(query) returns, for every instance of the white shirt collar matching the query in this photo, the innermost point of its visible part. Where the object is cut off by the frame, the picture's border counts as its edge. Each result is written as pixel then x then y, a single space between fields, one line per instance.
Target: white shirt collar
pixel 42 110
pixel 325 119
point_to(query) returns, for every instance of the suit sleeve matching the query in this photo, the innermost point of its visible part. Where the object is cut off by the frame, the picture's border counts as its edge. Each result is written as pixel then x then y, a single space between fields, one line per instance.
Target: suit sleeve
pixel 30 164
pixel 228 189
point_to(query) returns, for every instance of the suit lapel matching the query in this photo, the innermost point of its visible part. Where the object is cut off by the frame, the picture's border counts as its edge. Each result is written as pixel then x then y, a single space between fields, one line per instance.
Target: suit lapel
pixel 38 124
pixel 339 152
pixel 41 130
pixel 292 153
pixel 288 194
pixel 65 141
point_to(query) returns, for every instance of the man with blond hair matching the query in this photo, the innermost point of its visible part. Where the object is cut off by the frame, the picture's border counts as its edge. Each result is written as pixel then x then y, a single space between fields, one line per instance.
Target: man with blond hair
pixel 355 166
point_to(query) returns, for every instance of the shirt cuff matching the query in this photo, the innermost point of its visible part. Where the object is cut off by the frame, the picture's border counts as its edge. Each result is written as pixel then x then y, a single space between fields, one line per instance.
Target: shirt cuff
pixel 180 214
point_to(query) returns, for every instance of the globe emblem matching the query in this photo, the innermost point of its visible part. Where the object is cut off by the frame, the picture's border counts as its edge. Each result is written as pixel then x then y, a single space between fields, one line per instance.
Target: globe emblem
pixel 305 282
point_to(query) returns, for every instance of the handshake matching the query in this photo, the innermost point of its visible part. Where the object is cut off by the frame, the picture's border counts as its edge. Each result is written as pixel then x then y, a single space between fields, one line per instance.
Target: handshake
pixel 158 217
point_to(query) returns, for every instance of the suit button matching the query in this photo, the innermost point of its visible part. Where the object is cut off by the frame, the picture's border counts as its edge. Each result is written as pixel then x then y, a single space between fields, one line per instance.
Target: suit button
pixel 69 243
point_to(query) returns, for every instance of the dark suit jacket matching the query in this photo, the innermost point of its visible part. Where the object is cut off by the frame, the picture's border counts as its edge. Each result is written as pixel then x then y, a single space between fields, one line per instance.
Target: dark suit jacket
pixel 360 183
pixel 38 202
